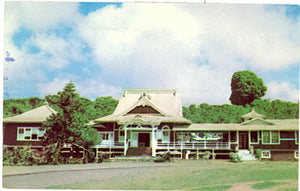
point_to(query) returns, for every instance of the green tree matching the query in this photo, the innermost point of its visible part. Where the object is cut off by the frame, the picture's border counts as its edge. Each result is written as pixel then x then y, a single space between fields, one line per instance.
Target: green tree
pixel 104 106
pixel 246 86
pixel 69 125
pixel 14 106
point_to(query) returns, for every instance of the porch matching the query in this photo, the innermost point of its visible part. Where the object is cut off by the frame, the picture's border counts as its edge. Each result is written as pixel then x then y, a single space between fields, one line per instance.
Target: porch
pixel 193 145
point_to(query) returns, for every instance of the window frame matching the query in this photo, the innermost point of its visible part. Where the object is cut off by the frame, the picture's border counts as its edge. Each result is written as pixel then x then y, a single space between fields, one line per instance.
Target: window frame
pixel 270 132
pixel 268 156
pixel 29 132
pixel 121 135
pixel 166 129
pixel 256 137
pixel 236 137
pixel 106 135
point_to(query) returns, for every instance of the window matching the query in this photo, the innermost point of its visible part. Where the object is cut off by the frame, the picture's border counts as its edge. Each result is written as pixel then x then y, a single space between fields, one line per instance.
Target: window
pixel 270 137
pixel 266 154
pixel 233 136
pixel 106 136
pixel 166 134
pixel 30 133
pixel 254 137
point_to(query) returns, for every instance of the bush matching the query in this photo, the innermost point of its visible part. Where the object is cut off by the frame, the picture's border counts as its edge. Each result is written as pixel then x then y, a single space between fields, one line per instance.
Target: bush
pixel 166 157
pixel 102 157
pixel 258 153
pixel 18 156
pixel 235 157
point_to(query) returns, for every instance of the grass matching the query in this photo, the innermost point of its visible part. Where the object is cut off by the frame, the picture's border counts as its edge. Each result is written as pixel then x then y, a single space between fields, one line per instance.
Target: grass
pixel 264 185
pixel 198 175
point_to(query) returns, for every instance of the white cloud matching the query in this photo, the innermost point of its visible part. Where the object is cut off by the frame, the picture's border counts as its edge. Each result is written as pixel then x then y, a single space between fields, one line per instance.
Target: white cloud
pixel 41 18
pixel 166 45
pixel 282 90
pixel 193 47
pixel 51 88
pixel 86 88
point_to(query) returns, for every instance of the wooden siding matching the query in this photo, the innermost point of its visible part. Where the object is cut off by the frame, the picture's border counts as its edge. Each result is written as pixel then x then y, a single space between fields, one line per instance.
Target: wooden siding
pixel 143 110
pixel 282 156
pixel 10 134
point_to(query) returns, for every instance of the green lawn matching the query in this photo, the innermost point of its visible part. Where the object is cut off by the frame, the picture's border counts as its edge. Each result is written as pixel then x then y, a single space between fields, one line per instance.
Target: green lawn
pixel 201 175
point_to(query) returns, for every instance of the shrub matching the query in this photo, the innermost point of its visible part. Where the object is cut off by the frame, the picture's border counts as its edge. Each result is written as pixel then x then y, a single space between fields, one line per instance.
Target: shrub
pixel 18 156
pixel 258 153
pixel 235 157
pixel 166 157
pixel 101 157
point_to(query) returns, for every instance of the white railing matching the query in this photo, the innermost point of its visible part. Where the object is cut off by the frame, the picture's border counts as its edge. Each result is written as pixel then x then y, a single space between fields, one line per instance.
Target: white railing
pixel 111 144
pixel 193 145
pixel 173 145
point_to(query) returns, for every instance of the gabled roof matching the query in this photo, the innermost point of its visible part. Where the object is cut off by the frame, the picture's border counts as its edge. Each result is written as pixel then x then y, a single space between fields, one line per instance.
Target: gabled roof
pixel 257 121
pixel 167 102
pixel 143 101
pixel 252 115
pixel 37 115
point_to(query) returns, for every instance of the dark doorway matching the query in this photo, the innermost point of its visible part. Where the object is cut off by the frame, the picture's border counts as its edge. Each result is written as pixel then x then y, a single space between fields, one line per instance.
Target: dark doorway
pixel 144 140
pixel 243 140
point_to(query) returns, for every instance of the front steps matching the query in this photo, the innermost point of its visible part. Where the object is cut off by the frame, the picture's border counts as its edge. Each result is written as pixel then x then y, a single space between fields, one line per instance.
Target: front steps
pixel 246 155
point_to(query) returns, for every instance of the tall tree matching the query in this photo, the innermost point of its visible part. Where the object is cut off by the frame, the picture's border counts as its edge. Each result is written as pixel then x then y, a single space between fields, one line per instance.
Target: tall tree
pixel 104 106
pixel 69 125
pixel 246 86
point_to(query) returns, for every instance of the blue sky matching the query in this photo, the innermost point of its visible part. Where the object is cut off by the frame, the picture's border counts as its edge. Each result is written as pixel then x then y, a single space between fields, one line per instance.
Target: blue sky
pixel 104 47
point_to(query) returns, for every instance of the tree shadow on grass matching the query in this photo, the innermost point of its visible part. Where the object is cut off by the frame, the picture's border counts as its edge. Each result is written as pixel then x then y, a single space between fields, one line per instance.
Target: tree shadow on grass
pixel 214 188
pixel 264 185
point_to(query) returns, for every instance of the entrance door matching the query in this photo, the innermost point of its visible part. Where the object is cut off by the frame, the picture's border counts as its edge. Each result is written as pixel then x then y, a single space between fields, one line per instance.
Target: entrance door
pixel 144 140
pixel 243 140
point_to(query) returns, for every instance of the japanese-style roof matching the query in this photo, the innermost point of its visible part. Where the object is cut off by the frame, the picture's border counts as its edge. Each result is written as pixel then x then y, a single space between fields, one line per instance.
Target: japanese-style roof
pixel 282 125
pixel 166 103
pixel 257 121
pixel 37 115
pixel 252 115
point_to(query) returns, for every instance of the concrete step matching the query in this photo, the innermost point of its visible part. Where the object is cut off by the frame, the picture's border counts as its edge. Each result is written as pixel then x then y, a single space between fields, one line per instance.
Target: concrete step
pixel 246 155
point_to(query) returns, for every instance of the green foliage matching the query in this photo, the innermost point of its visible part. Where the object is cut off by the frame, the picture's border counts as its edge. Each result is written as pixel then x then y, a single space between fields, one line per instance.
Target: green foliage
pixel 235 157
pixel 104 106
pixel 205 113
pixel 18 156
pixel 12 107
pixel 166 157
pixel 69 125
pixel 246 87
pixel 258 153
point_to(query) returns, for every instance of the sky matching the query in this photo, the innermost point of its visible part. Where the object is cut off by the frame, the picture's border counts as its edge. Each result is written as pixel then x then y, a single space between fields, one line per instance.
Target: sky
pixel 192 47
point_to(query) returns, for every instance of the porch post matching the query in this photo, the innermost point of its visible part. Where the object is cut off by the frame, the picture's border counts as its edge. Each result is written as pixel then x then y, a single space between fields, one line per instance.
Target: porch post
pixel 125 140
pixel 153 142
pixel 97 152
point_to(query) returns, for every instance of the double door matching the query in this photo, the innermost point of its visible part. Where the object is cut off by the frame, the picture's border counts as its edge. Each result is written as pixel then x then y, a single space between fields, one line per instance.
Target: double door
pixel 140 139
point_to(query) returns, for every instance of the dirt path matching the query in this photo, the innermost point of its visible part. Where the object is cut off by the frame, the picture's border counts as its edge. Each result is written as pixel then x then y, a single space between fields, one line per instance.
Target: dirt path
pixel 56 176
pixel 247 186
